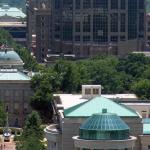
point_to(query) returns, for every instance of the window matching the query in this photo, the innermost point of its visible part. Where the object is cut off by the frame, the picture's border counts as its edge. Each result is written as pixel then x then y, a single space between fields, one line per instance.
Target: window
pixel 16 122
pixel 141 4
pixel 25 107
pixel 77 38
pixel 100 29
pixel 86 23
pixel 122 22
pixel 123 4
pixel 114 38
pixel 77 4
pixel 114 4
pixel 144 114
pixel 7 108
pixel 86 3
pixel 148 38
pixel 114 22
pixel 88 91
pixel 86 38
pixel 100 4
pixel 96 91
pixel 77 26
pixel 122 38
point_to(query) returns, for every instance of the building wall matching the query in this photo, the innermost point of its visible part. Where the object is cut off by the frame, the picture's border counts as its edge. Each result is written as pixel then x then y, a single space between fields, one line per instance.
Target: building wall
pixel 70 128
pixel 89 27
pixel 147 31
pixel 16 97
pixel 145 142
pixel 38 28
pixel 143 109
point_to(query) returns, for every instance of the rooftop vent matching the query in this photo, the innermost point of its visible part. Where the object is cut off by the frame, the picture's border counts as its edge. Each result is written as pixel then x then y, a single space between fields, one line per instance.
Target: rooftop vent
pixel 104 110
pixel 90 91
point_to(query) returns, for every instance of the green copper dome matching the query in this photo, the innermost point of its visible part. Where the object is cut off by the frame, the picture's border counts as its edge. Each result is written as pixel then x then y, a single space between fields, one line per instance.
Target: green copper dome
pixel 9 56
pixel 104 126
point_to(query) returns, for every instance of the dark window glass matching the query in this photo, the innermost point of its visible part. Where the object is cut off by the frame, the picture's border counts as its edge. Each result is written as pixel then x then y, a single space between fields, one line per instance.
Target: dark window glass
pixel 123 4
pixel 100 29
pixel 86 38
pixel 114 22
pixel 100 4
pixel 114 38
pixel 77 26
pixel 132 19
pixel 67 4
pixel 77 4
pixel 141 22
pixel 57 4
pixel 77 38
pixel 86 23
pixel 86 3
pixel 114 4
pixel 122 22
pixel 141 4
pixel 67 30
pixel 122 38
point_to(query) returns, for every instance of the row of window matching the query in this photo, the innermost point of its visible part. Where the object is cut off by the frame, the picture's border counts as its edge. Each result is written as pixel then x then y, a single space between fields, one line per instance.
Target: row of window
pixel 86 38
pixel 16 107
pixel 97 4
pixel 92 91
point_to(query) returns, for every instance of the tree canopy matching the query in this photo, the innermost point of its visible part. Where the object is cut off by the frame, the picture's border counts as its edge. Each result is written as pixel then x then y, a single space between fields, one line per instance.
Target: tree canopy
pixel 116 75
pixel 30 62
pixel 32 134
pixel 2 115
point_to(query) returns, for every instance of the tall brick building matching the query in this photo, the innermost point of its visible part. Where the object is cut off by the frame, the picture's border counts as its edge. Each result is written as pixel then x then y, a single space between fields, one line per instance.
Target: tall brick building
pixel 38 31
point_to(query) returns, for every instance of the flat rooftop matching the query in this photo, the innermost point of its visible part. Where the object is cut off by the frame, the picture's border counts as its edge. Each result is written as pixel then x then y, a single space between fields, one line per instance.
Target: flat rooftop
pixel 12 24
pixel 69 100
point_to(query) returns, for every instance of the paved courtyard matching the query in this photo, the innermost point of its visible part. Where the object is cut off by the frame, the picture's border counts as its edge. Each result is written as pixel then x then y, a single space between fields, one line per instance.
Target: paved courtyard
pixel 7 145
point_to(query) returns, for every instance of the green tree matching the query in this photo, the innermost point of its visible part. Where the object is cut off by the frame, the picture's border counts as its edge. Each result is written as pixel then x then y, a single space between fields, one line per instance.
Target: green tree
pixel 33 123
pixel 133 64
pixel 142 89
pixel 2 115
pixel 70 77
pixel 32 134
pixel 30 62
pixel 43 85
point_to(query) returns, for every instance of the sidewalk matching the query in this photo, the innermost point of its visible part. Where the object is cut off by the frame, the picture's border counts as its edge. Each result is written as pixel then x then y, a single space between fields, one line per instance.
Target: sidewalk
pixel 8 145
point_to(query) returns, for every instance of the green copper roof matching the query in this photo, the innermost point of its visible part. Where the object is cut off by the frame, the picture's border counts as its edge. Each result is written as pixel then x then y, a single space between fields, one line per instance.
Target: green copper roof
pixel 9 56
pixel 104 126
pixel 13 74
pixel 146 126
pixel 95 105
pixel 6 10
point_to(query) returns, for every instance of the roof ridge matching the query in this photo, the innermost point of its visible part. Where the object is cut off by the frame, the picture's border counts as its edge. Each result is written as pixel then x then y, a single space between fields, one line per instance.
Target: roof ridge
pixel 78 110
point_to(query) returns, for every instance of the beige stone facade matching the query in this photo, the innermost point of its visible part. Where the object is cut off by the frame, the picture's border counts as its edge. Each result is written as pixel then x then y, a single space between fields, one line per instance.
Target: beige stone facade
pixel 16 97
pixel 67 128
